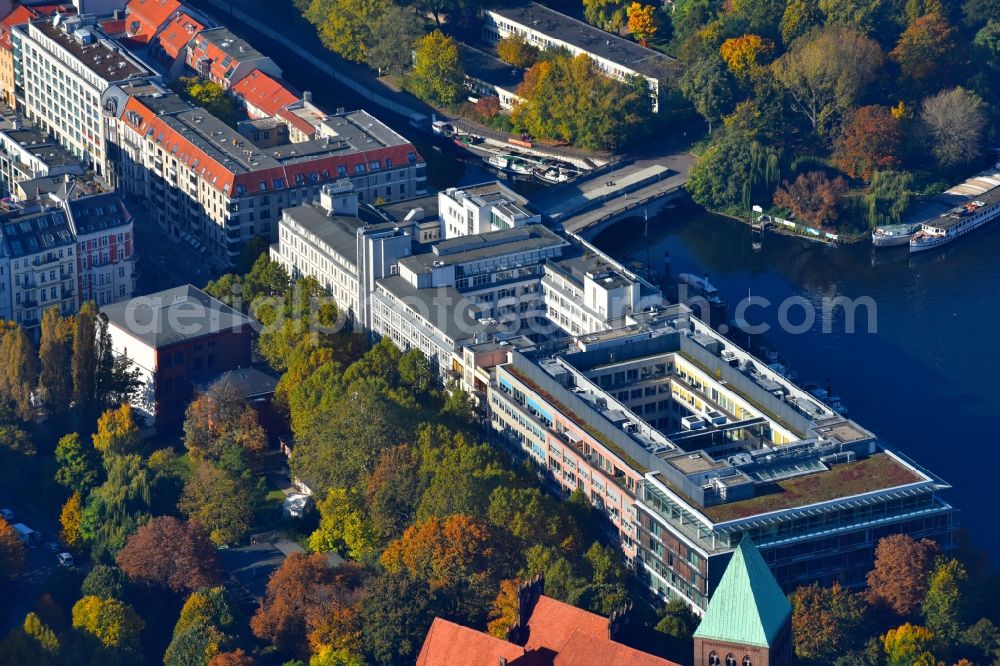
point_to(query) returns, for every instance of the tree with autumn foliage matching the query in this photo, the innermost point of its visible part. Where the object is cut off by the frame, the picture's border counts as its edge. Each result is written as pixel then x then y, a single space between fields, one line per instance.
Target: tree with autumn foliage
pixel 746 56
pixel 438 74
pixel 927 52
pixel 117 433
pixel 172 554
pixel 515 50
pixel 220 426
pixel 909 645
pixel 826 621
pixel 954 122
pixel 504 609
pixel 827 70
pixel 70 519
pixel 869 141
pixel 20 370
pixel 642 22
pixel 309 604
pixel 114 624
pixel 812 198
pixel 235 658
pixel 12 551
pixel 55 341
pixel 900 576
pixel 456 555
pixel 945 606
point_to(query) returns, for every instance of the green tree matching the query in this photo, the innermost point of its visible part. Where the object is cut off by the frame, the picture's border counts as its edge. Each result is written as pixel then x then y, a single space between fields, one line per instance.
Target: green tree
pixel 118 506
pixel 105 581
pixel 327 656
pixel 86 357
pixel 708 85
pixel 461 479
pixel 826 71
pixel 396 614
pixel 346 26
pixel 888 197
pixel 438 75
pixel 605 14
pixel 220 502
pixel 678 621
pixel 341 441
pixel 533 517
pixel 209 623
pixel 54 383
pixel 393 36
pixel 515 50
pixel 208 95
pixel 945 606
pixel 79 466
pixel 343 525
pixel 798 18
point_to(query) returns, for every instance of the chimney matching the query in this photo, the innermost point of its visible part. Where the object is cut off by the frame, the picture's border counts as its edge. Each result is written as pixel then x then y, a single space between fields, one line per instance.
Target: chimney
pixel 618 621
pixel 501 661
pixel 307 96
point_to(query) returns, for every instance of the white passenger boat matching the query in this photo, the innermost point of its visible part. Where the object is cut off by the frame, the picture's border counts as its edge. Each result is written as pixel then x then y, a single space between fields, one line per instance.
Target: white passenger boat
pixel 520 167
pixel 498 161
pixel 893 235
pixel 701 287
pixel 957 222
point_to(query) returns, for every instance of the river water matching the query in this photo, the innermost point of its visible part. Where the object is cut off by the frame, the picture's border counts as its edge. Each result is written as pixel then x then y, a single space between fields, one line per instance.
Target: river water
pixel 920 379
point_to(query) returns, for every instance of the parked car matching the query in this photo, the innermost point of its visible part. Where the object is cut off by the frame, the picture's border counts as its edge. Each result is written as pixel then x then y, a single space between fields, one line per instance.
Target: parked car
pixel 7 515
pixel 53 546
pixel 65 559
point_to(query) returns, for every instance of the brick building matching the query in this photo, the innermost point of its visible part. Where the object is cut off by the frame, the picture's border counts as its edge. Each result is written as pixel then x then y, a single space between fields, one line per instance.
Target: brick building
pixel 748 620
pixel 177 338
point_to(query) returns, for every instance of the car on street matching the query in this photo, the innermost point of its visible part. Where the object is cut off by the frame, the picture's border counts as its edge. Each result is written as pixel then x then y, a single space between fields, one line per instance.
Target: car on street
pixel 53 546
pixel 65 559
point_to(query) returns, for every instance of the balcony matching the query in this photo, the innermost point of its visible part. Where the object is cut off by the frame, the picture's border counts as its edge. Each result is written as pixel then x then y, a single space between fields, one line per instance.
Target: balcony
pixel 45 261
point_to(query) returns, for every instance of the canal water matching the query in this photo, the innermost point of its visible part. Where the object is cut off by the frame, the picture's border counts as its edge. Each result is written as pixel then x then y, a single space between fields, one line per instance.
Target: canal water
pixel 920 379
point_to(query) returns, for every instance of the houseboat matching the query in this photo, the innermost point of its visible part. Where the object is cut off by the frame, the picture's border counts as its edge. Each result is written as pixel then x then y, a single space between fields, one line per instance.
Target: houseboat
pixel 893 235
pixel 958 221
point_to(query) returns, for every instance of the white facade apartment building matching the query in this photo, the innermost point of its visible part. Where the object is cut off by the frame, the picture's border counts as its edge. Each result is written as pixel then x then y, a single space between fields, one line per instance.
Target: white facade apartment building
pixel 39 252
pixel 583 294
pixel 210 185
pixel 482 208
pixel 68 64
pixel 546 28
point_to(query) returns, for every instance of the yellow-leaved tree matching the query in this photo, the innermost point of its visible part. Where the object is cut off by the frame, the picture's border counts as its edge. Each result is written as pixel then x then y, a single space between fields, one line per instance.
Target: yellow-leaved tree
pixel 642 21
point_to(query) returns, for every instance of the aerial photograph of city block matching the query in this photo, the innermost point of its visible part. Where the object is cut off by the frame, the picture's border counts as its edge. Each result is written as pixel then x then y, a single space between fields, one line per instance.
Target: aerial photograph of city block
pixel 499 332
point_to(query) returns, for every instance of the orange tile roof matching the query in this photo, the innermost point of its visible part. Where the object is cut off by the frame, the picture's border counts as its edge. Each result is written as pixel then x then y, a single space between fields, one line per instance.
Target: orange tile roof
pixel 176 35
pixel 322 168
pixel 297 121
pixel 264 92
pixel 582 649
pixel 144 17
pixel 19 15
pixel 552 622
pixel 450 644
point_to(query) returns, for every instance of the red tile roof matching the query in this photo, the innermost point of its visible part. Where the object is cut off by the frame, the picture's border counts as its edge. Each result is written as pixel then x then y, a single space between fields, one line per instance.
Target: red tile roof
pixel 264 92
pixel 322 168
pixel 173 38
pixel 559 635
pixel 19 15
pixel 450 644
pixel 552 622
pixel 297 121
pixel 144 17
pixel 582 649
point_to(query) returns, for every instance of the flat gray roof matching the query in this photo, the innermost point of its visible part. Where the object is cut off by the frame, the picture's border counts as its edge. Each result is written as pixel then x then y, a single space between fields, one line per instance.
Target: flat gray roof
pixel 586 37
pixel 447 309
pixel 174 315
pixel 336 232
pixel 109 61
pixel 485 246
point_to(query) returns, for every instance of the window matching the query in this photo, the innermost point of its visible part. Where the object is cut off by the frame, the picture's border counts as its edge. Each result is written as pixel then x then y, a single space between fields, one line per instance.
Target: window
pixel 747 661
pixel 730 660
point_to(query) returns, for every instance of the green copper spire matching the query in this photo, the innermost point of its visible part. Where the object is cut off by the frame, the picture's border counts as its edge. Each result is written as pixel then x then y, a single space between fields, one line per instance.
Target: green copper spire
pixel 747 607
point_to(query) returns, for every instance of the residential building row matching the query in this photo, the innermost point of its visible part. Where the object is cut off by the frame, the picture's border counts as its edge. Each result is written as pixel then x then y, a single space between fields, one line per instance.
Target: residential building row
pixel 64 249
pixel 546 28
pixel 686 442
pixel 97 84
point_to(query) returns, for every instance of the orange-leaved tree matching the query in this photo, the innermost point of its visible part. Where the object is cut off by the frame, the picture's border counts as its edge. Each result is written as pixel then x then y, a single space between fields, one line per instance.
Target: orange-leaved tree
pixel 746 56
pixel 902 567
pixel 812 197
pixel 869 141
pixel 642 21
